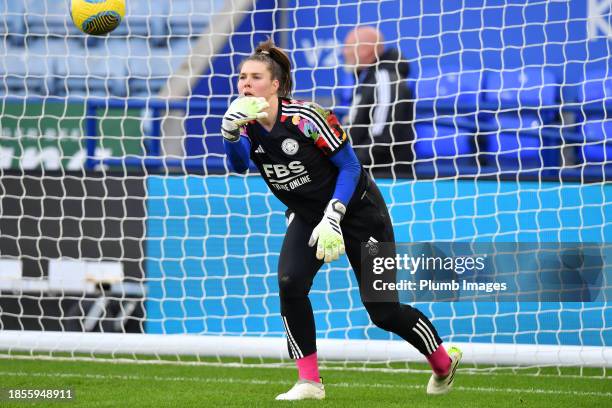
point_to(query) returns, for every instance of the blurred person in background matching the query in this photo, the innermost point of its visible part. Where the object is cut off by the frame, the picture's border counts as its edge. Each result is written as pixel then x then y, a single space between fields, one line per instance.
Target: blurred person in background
pixel 380 118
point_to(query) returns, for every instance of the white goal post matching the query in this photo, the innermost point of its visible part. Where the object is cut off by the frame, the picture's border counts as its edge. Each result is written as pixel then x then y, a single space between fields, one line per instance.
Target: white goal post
pixel 372 351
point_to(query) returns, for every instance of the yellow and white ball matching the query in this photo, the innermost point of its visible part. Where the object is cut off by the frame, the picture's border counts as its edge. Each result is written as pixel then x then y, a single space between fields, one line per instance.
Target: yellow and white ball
pixel 97 17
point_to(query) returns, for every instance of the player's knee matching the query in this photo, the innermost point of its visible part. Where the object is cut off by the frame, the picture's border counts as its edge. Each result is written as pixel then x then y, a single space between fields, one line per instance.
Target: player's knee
pixel 383 315
pixel 383 320
pixel 290 287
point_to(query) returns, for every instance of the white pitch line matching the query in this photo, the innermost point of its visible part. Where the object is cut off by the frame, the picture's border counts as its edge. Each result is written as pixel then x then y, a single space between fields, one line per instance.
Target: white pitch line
pixel 463 371
pixel 226 380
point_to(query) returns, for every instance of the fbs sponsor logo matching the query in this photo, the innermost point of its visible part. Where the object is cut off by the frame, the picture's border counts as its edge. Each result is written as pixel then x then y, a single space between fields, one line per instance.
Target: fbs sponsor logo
pixel 286 177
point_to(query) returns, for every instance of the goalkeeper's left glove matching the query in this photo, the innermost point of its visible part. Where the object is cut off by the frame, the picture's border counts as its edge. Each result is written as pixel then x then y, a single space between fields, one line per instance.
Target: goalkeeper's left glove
pixel 241 111
pixel 328 235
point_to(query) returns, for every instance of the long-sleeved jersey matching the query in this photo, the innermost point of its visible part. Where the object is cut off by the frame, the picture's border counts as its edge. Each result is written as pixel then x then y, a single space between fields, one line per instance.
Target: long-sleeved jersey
pixel 295 157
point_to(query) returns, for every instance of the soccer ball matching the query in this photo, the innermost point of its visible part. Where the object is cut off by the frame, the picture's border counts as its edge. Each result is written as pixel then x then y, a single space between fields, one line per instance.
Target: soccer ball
pixel 97 17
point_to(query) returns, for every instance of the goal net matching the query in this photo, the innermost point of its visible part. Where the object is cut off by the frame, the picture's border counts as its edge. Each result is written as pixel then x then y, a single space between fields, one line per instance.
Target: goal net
pixel 124 234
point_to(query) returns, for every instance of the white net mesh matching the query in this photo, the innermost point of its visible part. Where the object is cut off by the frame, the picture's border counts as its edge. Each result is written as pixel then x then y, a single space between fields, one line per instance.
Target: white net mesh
pixel 118 214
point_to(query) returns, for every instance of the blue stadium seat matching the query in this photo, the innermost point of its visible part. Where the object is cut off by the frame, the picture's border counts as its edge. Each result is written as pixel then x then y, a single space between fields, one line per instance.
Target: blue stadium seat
pixel 598 146
pixel 10 13
pixel 44 17
pixel 149 72
pixel 443 142
pixel 596 87
pixel 127 48
pixel 145 18
pixel 450 88
pixel 513 149
pixel 524 102
pixel 112 66
pixel 53 51
pixel 161 19
pixel 80 73
pixel 23 73
pixel 72 74
pixel 439 94
pixel 595 93
pixel 190 17
pixel 12 21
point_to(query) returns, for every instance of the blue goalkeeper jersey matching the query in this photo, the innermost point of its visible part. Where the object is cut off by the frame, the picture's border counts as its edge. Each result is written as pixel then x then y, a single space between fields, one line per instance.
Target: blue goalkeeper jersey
pixel 294 157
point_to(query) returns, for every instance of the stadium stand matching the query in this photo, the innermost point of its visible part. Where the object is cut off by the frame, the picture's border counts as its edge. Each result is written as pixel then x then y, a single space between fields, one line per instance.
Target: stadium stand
pixel 517 125
pixel 146 48
pixel 595 94
pixel 442 133
pixel 524 102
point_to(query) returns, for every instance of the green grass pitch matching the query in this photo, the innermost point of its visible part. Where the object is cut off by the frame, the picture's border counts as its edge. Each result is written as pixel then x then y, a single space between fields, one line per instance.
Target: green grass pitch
pixel 104 384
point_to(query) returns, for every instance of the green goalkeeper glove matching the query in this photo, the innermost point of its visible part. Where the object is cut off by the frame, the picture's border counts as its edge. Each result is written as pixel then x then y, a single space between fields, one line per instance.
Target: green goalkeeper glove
pixel 328 235
pixel 241 111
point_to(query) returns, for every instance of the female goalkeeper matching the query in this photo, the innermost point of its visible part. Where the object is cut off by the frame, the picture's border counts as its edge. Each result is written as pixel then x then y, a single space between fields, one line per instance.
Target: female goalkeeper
pixel 308 163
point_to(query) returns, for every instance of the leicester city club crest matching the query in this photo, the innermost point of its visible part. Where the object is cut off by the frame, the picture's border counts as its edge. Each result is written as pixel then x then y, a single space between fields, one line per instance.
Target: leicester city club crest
pixel 290 146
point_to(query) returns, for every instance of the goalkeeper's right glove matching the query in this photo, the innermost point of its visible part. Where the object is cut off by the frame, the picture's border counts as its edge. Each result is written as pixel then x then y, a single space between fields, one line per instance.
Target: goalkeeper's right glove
pixel 241 111
pixel 327 235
